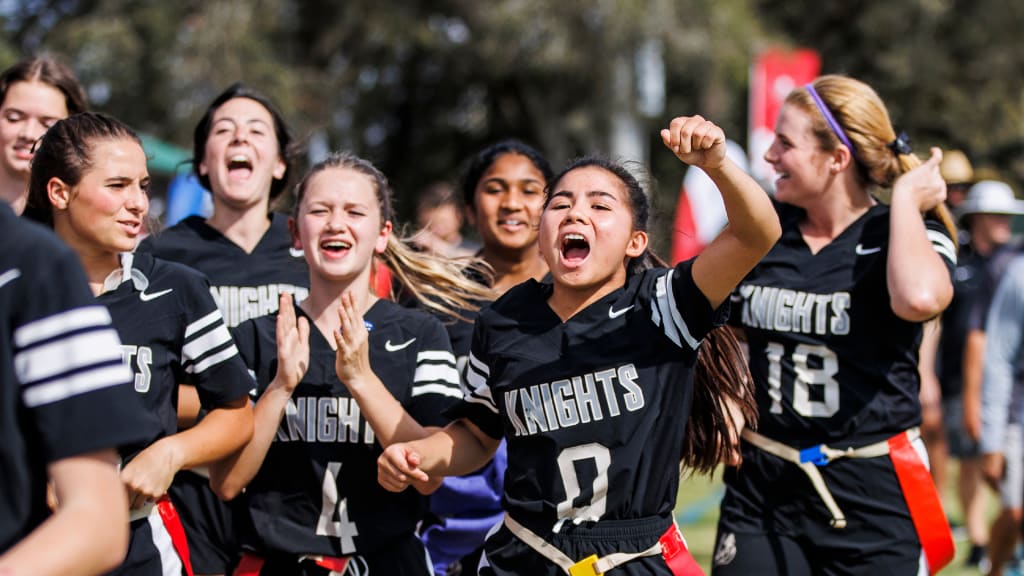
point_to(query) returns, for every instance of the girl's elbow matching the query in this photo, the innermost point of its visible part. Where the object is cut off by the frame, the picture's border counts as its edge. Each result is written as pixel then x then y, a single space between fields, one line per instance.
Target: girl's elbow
pixel 920 308
pixel 225 489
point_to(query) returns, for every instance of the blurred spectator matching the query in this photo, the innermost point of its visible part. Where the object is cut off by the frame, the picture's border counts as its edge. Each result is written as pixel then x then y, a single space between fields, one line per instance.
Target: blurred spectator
pixel 985 214
pixel 439 219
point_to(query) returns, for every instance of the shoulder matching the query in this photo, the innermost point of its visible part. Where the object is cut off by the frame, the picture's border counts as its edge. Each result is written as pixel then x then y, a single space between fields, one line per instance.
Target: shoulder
pixel 517 298
pixel 388 315
pixel 184 234
pixel 158 269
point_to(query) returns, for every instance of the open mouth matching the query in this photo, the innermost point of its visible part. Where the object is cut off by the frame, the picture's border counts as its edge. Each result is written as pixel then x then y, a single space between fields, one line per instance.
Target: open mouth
pixel 575 248
pixel 240 166
pixel 335 247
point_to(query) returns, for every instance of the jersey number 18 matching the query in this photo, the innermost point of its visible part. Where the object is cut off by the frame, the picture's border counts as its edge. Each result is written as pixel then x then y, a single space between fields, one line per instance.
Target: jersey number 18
pixel 817 376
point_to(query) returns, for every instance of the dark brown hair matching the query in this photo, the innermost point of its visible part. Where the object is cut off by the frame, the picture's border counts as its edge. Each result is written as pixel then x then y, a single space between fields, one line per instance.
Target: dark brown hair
pixel 284 136
pixel 65 152
pixel 49 70
pixel 722 376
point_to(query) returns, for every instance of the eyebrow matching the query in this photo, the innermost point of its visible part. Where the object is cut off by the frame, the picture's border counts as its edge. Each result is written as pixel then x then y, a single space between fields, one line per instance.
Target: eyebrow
pixel 246 121
pixel 505 180
pixel 590 194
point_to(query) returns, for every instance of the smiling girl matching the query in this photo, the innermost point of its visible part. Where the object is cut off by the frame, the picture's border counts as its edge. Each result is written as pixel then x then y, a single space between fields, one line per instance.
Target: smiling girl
pixel 832 482
pixel 89 181
pixel 34 94
pixel 590 379
pixel 338 378
pixel 241 153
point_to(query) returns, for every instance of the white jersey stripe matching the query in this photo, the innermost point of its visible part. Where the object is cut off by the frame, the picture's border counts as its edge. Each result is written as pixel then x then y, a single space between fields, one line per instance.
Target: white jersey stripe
pixel 435 356
pixel 203 322
pixel 484 401
pixel 67 354
pixel 211 360
pixel 661 301
pixel 75 384
pixel 942 244
pixel 677 318
pixel 442 389
pixel 435 372
pixel 480 367
pixel 203 344
pixel 69 321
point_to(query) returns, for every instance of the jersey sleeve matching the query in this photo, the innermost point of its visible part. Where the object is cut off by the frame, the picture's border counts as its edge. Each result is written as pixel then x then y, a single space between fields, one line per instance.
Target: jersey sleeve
pixel 478 405
pixel 67 362
pixel 435 386
pixel 681 310
pixel 942 242
pixel 209 357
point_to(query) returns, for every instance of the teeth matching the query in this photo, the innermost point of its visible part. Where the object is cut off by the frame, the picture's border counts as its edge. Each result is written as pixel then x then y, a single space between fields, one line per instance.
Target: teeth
pixel 338 245
pixel 511 222
pixel 574 237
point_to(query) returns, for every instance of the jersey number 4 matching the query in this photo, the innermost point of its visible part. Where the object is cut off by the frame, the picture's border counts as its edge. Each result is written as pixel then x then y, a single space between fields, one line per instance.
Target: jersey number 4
pixel 815 369
pixel 334 520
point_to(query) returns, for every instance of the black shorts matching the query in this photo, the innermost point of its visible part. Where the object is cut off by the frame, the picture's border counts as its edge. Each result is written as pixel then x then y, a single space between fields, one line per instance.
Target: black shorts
pixel 209 523
pixel 773 522
pixel 507 555
pixel 404 556
pixel 150 550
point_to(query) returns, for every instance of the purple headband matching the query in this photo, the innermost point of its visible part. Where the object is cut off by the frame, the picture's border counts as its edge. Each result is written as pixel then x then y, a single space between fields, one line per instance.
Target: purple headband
pixel 830 118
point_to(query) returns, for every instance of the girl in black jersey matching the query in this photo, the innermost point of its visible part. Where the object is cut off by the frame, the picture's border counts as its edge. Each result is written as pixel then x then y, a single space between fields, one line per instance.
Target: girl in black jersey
pixel 591 379
pixel 832 482
pixel 65 408
pixel 89 181
pixel 337 378
pixel 242 154
pixel 503 190
pixel 34 93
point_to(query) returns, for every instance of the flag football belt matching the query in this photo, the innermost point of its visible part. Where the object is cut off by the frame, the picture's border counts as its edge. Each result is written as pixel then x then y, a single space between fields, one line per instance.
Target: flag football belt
pixel 670 546
pixel 251 564
pixel 915 480
pixel 172 523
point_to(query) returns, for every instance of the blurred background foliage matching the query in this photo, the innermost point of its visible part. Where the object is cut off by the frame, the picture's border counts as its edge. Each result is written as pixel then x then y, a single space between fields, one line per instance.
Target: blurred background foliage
pixel 418 86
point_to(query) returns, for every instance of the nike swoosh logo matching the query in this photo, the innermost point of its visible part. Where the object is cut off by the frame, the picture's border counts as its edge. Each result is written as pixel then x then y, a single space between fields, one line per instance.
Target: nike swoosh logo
pixel 396 347
pixel 296 253
pixel 153 296
pixel 862 251
pixel 613 313
pixel 9 276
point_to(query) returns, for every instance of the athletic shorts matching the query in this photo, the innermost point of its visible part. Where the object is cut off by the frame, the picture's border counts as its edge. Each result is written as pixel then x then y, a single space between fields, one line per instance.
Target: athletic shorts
pixel 1011 489
pixel 209 524
pixel 774 523
pixel 507 555
pixel 404 556
pixel 961 445
pixel 150 550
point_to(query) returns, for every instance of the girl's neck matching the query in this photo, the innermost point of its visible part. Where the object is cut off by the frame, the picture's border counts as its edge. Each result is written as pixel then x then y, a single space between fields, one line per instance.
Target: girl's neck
pixel 825 221
pixel 14 191
pixel 324 300
pixel 243 226
pixel 567 301
pixel 512 269
pixel 98 266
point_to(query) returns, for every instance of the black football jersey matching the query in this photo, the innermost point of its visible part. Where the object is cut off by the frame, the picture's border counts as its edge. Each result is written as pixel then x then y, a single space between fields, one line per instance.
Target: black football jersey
pixel 831 361
pixel 172 333
pixel 64 391
pixel 244 285
pixel 594 409
pixel 317 491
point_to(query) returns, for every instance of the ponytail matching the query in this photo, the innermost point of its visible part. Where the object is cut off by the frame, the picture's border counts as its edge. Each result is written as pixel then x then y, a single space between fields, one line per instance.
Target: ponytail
pixel 439 283
pixel 722 384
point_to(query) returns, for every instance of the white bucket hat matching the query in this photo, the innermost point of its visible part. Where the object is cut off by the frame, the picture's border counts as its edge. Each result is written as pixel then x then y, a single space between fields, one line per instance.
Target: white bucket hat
pixel 990 197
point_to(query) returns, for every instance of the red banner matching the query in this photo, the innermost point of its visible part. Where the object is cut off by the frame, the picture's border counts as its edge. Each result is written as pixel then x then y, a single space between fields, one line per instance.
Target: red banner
pixel 774 74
